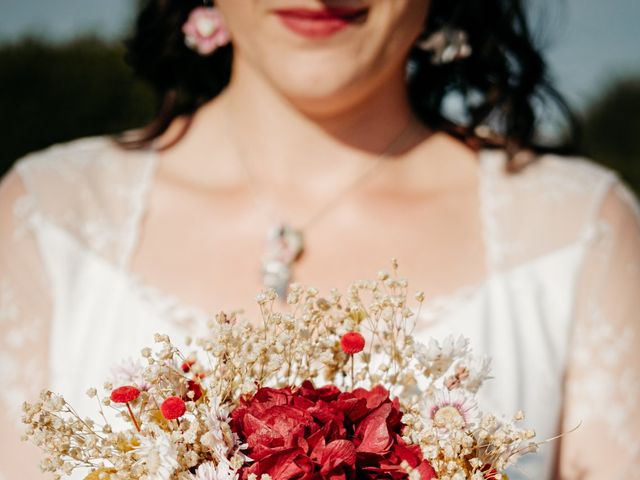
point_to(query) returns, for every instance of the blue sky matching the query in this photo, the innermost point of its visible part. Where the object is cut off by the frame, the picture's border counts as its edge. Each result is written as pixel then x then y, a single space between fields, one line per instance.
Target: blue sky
pixel 589 43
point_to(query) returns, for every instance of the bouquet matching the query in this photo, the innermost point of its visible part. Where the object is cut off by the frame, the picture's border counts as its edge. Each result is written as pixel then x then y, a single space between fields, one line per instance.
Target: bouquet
pixel 333 388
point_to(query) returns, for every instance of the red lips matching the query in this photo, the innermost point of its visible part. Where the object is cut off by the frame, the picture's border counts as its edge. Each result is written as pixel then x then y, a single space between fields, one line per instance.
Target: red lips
pixel 317 23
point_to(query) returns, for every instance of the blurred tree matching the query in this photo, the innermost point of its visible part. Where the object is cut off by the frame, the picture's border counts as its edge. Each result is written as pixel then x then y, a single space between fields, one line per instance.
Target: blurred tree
pixel 612 130
pixel 55 93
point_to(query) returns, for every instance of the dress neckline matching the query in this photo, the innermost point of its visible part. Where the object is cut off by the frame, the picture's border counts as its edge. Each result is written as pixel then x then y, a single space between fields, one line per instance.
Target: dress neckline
pixel 181 311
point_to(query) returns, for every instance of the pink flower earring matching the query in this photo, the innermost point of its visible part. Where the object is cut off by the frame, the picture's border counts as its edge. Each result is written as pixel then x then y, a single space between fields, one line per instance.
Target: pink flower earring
pixel 205 30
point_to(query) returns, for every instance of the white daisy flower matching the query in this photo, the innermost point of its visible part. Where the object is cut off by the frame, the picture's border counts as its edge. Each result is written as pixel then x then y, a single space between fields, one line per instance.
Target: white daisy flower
pixel 219 438
pixel 158 456
pixel 437 357
pixel 479 371
pixel 209 471
pixel 129 372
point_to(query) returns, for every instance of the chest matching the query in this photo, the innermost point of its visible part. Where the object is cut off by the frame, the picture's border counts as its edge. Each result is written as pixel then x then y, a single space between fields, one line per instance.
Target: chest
pixel 207 248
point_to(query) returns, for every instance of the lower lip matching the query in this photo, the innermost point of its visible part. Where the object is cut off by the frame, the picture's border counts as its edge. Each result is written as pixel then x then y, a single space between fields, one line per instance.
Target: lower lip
pixel 320 26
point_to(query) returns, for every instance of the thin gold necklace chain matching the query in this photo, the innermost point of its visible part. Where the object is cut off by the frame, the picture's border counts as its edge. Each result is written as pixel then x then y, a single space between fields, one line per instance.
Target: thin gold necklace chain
pixel 336 199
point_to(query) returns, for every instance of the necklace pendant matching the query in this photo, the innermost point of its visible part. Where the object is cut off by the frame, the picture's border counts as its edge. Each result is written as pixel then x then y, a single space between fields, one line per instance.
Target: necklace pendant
pixel 285 246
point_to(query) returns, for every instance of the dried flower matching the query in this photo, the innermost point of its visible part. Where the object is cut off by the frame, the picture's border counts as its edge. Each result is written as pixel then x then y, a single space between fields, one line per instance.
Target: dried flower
pixel 194 391
pixel 186 365
pixel 352 343
pixel 157 456
pixel 287 426
pixel 451 411
pixel 125 394
pixel 172 408
pixel 129 372
pixel 210 471
pixel 324 433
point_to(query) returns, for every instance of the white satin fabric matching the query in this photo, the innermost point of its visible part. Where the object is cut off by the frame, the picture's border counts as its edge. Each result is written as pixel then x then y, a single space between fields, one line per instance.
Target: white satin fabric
pixel 557 311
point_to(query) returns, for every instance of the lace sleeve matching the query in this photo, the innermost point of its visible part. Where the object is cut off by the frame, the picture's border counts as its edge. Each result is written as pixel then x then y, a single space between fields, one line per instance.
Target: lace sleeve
pixel 25 307
pixel 603 376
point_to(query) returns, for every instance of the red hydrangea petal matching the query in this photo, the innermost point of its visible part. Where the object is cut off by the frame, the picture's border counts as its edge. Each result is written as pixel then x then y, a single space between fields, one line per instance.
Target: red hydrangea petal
pixel 272 396
pixel 375 437
pixel 328 393
pixel 337 454
pixel 328 413
pixel 354 408
pixel 317 444
pixel 261 430
pixel 288 421
pixel 426 471
pixel 374 397
pixel 322 434
pixel 284 465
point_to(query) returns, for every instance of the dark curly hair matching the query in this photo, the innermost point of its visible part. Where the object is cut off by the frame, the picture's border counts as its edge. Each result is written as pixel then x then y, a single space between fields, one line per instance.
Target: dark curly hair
pixel 503 83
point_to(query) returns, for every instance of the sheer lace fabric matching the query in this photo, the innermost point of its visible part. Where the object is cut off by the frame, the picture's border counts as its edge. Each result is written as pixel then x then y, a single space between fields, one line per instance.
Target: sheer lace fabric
pixel 603 374
pixel 25 320
pixel 557 311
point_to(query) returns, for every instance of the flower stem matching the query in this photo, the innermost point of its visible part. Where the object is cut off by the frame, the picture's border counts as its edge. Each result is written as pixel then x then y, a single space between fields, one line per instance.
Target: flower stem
pixel 353 377
pixel 133 417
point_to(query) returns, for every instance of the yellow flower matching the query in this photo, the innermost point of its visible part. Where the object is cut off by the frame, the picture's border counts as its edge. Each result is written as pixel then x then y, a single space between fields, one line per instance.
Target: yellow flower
pixel 127 444
pixel 101 474
pixel 157 418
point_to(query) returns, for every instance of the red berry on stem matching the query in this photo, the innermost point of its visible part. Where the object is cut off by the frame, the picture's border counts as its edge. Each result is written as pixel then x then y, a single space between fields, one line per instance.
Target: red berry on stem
pixel 352 342
pixel 194 387
pixel 172 408
pixel 186 365
pixel 125 394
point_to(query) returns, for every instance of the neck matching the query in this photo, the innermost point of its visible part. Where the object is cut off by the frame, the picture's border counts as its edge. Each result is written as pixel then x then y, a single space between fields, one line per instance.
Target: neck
pixel 287 139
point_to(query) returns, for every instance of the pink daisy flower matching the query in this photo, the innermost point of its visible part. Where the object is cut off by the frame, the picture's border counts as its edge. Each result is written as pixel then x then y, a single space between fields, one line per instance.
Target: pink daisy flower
pixel 452 410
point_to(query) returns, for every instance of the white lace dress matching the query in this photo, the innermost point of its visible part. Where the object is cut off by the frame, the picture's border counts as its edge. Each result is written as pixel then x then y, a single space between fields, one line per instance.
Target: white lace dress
pixel 559 310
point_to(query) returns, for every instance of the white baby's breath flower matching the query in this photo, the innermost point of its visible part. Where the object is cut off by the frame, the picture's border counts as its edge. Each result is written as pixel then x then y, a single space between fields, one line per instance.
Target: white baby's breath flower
pixel 192 432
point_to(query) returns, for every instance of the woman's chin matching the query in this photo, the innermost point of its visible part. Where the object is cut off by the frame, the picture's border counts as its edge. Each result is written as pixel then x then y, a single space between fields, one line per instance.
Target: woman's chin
pixel 321 103
pixel 321 91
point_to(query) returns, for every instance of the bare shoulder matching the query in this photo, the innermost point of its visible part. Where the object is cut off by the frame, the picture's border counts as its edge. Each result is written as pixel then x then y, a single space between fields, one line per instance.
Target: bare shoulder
pixel 11 191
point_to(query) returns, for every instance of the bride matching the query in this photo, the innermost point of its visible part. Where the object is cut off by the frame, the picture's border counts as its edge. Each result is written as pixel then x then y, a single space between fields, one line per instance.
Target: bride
pixel 290 125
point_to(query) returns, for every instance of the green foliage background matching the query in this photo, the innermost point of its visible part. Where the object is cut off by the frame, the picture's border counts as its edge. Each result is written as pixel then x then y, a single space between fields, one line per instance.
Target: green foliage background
pixel 55 93
pixel 612 130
